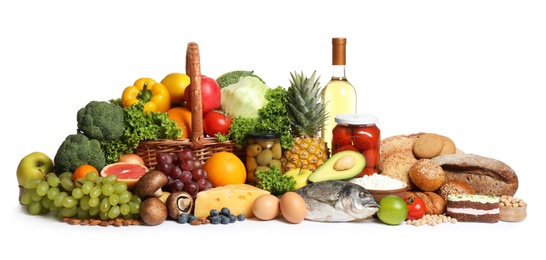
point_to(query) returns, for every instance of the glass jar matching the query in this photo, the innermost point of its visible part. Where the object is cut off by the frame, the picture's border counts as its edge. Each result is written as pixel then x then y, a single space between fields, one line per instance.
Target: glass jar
pixel 263 150
pixel 358 132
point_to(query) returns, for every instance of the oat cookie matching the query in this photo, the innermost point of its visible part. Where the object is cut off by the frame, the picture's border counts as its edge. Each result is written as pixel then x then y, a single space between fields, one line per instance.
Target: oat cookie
pixel 428 145
pixel 449 146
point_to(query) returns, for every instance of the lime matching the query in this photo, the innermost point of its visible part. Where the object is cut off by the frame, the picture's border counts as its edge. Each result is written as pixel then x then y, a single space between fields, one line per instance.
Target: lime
pixel 393 210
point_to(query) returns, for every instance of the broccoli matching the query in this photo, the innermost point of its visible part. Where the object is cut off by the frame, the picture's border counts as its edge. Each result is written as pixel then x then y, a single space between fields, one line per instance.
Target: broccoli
pixel 101 120
pixel 78 149
pixel 233 77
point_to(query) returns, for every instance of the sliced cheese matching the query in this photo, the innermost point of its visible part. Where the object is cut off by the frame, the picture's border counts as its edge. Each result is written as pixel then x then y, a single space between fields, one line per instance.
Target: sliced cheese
pixel 238 198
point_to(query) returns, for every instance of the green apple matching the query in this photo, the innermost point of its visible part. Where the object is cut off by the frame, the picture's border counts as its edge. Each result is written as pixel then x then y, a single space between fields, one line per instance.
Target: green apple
pixel 34 165
pixel 300 176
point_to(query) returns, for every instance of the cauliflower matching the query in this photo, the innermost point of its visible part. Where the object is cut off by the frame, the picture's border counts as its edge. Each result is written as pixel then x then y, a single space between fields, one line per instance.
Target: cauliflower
pixel 101 120
pixel 78 149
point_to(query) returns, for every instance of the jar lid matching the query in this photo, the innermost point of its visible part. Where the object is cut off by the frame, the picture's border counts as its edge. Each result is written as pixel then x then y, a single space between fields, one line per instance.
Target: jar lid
pixel 356 119
pixel 264 135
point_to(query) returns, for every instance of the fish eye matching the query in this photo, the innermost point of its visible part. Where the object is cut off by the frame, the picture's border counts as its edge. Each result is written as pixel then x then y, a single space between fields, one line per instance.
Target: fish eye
pixel 361 194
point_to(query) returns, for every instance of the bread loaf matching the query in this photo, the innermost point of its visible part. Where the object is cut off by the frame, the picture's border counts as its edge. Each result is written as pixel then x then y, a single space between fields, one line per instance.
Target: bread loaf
pixel 487 176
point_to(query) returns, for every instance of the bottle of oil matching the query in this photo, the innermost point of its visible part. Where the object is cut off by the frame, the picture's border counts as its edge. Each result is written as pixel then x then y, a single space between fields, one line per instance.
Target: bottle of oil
pixel 339 95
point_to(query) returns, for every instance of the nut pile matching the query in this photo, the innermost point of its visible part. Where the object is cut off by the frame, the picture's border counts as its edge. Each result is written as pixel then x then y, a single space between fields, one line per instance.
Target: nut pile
pixel 509 201
pixel 432 220
pixel 118 222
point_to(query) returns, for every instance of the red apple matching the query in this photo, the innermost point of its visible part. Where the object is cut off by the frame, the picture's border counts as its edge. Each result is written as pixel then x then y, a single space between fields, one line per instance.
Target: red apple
pixel 210 94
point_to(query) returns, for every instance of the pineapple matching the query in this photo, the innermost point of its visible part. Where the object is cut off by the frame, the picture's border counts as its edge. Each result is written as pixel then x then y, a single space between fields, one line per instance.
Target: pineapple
pixel 307 114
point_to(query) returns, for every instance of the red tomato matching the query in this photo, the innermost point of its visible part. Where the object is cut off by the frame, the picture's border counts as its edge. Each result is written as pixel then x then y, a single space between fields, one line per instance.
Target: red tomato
pixel 416 208
pixel 342 136
pixel 344 148
pixel 216 122
pixel 367 171
pixel 372 157
pixel 366 137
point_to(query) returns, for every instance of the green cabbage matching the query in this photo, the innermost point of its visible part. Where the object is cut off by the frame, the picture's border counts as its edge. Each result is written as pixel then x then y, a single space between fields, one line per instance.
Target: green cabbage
pixel 245 97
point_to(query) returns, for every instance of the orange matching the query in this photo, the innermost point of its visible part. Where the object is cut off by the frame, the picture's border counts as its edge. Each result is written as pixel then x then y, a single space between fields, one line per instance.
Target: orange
pixel 182 116
pixel 224 168
pixel 176 83
pixel 82 170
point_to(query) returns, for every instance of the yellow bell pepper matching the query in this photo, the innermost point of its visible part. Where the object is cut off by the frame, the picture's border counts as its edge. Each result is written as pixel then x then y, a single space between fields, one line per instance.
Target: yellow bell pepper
pixel 155 95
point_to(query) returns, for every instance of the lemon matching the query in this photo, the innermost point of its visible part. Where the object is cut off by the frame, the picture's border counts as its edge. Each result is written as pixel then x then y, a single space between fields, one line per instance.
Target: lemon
pixel 393 210
pixel 176 83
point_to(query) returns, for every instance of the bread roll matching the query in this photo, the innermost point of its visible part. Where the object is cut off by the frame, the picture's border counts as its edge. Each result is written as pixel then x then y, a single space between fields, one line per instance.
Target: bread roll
pixel 427 175
pixel 397 166
pixel 454 187
pixel 487 176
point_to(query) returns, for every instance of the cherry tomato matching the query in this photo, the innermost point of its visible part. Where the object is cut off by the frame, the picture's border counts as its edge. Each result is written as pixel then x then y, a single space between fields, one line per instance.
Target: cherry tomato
pixel 216 122
pixel 367 171
pixel 416 208
pixel 342 136
pixel 372 157
pixel 366 137
pixel 344 148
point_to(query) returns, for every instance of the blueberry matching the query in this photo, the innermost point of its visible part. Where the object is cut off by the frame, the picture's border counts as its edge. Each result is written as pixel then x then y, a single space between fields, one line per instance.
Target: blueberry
pixel 214 212
pixel 225 211
pixel 224 219
pixel 241 217
pixel 232 218
pixel 215 219
pixel 182 218
pixel 191 218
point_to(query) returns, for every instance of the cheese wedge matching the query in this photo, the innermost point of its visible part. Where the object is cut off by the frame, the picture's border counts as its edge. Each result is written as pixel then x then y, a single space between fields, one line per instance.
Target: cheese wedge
pixel 238 198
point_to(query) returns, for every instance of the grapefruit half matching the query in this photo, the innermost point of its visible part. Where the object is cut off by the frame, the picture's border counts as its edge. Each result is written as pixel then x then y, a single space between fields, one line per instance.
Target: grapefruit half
pixel 126 172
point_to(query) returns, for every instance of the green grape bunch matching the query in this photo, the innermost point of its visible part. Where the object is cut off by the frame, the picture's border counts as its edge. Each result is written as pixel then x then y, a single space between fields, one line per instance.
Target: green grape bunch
pixel 92 197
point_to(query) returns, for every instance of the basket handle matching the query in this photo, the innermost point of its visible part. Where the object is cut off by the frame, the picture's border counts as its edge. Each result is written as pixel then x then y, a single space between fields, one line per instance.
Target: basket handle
pixel 193 70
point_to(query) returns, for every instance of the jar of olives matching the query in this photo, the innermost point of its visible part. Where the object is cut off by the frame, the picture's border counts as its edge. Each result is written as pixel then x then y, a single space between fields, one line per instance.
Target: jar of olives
pixel 263 150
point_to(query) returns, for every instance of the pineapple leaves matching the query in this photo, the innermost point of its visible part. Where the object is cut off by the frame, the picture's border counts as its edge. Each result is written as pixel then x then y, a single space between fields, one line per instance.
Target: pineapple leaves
pixel 305 108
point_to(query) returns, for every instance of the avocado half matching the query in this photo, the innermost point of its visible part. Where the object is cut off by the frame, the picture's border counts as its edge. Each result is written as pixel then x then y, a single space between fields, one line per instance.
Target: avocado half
pixel 327 171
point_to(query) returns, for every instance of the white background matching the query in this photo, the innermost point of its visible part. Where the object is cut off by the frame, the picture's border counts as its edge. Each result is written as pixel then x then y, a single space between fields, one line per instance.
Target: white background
pixel 471 70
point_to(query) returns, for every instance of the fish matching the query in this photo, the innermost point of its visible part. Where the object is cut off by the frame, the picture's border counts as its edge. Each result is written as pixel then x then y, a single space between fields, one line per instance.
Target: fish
pixel 337 201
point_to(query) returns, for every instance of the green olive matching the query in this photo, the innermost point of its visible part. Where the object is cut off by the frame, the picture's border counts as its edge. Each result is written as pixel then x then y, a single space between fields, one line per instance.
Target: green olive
pixel 265 143
pixel 265 157
pixel 275 162
pixel 251 164
pixel 277 150
pixel 253 150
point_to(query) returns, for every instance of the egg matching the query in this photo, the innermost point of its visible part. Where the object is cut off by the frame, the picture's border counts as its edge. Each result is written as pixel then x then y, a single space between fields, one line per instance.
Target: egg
pixel 266 207
pixel 293 207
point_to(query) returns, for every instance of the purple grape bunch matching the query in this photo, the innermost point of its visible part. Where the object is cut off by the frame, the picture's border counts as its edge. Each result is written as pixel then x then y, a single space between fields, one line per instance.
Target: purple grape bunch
pixel 184 170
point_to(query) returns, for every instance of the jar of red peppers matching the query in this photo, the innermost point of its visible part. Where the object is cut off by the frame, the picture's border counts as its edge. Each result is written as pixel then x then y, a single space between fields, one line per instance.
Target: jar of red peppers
pixel 358 132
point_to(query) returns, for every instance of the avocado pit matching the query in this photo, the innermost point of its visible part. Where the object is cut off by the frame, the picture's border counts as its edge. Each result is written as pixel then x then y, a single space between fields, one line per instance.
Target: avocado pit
pixel 345 162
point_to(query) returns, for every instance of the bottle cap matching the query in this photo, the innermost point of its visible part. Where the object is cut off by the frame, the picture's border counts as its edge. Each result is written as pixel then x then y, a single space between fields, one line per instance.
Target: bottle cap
pixel 338 50
pixel 356 119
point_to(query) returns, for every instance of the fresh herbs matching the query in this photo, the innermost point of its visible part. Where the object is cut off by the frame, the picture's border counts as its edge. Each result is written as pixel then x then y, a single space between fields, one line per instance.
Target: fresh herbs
pixel 139 126
pixel 273 180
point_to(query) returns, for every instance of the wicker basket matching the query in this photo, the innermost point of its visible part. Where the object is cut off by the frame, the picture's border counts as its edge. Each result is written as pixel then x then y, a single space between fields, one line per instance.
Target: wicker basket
pixel 202 146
